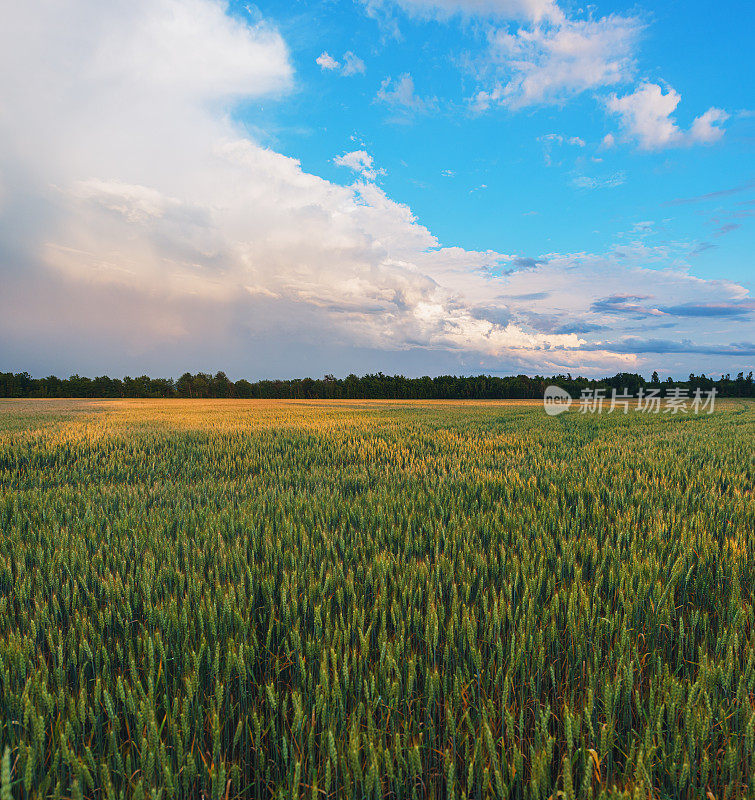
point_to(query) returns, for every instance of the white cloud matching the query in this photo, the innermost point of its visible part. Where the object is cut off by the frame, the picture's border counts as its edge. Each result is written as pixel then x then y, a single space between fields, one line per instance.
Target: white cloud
pixel 228 57
pixel 327 62
pixel 646 116
pixel 548 63
pixel 501 9
pixel 705 128
pixel 548 59
pixel 135 203
pixel 551 140
pixel 361 162
pixel 352 64
pixel 605 182
pixel 557 138
pixel 643 227
pixel 608 141
pixel 401 96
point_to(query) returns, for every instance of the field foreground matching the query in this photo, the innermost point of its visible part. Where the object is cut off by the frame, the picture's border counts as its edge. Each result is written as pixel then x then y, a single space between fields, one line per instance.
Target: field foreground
pixel 258 599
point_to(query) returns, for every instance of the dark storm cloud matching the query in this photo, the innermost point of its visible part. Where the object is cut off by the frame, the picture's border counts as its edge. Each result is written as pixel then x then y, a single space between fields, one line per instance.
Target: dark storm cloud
pixel 623 304
pixel 734 308
pixel 579 327
pixel 668 346
pixel 500 315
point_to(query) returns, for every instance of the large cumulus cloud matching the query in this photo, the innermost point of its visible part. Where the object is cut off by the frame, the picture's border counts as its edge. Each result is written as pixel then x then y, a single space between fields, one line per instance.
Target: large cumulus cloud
pixel 138 221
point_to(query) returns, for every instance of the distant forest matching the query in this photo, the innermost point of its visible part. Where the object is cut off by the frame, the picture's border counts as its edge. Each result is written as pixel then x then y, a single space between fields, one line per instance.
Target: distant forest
pixel 378 386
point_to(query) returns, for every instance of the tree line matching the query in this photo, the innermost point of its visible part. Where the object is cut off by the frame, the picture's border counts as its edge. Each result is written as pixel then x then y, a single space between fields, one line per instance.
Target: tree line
pixel 353 387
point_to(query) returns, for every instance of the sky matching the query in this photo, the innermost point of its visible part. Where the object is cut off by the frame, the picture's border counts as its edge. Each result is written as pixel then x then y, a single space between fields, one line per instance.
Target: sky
pixel 286 189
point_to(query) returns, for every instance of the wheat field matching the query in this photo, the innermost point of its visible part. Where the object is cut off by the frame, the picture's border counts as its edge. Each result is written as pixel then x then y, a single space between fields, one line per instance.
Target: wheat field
pixel 253 599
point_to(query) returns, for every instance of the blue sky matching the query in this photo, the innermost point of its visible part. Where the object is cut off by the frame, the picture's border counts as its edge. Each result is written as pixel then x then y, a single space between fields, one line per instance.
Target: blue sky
pixel 420 186
pixel 533 201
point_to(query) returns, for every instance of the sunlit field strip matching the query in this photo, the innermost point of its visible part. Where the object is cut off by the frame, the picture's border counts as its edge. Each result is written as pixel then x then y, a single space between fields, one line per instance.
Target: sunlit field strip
pixel 374 599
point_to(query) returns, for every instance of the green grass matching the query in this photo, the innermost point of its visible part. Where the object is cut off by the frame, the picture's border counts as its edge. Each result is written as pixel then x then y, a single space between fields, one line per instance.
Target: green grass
pixel 352 600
